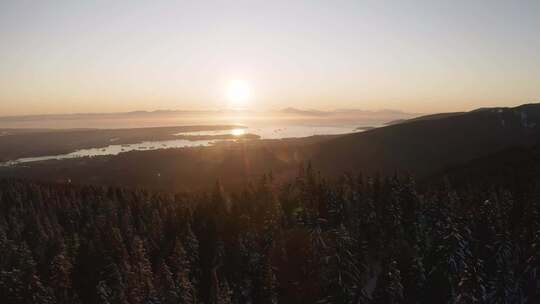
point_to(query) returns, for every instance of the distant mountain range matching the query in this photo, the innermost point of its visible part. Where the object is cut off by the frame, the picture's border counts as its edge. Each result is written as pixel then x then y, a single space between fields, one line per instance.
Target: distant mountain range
pixel 138 119
pixel 285 111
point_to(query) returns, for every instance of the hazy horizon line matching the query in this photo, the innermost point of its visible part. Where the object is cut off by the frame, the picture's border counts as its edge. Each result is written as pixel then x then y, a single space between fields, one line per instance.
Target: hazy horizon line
pixel 157 111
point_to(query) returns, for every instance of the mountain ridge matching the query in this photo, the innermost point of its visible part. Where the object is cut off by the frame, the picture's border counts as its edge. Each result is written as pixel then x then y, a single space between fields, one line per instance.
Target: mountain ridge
pixel 422 145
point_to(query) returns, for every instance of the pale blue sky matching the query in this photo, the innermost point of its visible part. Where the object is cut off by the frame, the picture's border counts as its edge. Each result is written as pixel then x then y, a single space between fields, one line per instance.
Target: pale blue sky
pixel 418 56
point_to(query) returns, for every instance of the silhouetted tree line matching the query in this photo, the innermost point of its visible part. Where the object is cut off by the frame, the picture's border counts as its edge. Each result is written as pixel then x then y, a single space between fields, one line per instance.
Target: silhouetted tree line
pixel 358 240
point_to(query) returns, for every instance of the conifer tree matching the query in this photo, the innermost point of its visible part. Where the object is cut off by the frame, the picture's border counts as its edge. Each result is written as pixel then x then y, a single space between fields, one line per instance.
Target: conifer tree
pixel 389 289
pixel 167 290
pixel 60 277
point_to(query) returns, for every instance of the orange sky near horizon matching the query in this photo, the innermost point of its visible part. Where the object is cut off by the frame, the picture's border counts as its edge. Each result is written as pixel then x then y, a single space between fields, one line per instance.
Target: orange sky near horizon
pixel 416 56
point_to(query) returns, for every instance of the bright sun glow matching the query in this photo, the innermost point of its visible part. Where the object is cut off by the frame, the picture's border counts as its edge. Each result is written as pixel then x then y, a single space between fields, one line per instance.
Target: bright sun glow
pixel 238 93
pixel 238 132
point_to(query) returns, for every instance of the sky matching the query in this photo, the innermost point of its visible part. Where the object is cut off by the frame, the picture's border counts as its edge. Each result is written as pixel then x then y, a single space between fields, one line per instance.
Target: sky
pixel 418 56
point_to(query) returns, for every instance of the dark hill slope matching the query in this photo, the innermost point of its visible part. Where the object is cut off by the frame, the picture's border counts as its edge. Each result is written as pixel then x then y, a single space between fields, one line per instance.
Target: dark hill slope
pixel 515 168
pixel 425 117
pixel 425 146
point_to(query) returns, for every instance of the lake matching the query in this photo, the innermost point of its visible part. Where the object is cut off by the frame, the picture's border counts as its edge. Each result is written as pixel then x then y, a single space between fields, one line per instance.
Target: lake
pixel 265 132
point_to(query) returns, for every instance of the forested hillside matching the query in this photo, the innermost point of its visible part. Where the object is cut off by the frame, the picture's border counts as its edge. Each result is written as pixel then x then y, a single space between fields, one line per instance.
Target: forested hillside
pixel 357 240
pixel 511 168
pixel 429 144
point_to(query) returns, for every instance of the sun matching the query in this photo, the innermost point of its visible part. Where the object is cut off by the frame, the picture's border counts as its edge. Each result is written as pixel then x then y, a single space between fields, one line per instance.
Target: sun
pixel 238 132
pixel 238 93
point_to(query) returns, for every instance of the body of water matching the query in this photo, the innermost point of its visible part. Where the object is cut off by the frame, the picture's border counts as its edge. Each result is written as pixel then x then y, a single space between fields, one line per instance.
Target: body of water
pixel 266 132
pixel 117 149
pixel 263 132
